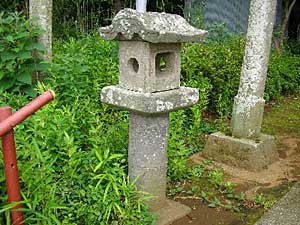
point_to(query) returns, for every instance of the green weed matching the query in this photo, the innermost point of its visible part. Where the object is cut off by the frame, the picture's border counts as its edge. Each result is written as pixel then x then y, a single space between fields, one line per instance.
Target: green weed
pixel 19 51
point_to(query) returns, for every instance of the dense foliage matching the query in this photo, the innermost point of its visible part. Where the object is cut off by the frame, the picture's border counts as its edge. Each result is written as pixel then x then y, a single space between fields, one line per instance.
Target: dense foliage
pixel 19 51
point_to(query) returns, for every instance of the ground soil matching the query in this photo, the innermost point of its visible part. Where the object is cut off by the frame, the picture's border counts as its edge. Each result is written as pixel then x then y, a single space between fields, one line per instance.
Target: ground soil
pixel 207 216
pixel 282 119
pixel 286 169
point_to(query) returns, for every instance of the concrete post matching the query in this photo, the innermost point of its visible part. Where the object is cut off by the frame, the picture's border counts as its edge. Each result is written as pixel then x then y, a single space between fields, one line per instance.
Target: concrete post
pixel 42 9
pixel 150 91
pixel 147 152
pixel 249 103
pixel 248 148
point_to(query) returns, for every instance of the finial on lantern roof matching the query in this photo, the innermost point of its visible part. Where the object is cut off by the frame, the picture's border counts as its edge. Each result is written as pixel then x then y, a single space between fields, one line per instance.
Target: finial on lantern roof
pixel 153 27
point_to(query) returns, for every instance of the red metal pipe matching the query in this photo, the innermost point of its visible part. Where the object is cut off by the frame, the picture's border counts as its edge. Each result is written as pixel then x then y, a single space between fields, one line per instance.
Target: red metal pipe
pixel 26 111
pixel 11 169
pixel 7 122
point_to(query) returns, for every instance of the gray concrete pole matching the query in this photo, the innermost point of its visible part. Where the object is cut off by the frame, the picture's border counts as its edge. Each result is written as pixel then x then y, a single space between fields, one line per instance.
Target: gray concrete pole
pixel 141 5
pixel 42 9
pixel 147 153
pixel 249 103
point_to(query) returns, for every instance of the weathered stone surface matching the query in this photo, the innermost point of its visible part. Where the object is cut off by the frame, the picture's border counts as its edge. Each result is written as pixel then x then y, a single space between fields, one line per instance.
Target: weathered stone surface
pixel 248 105
pixel 150 103
pixel 253 155
pixel 151 27
pixel 141 70
pixel 247 120
pixel 147 163
pixel 286 211
pixel 147 152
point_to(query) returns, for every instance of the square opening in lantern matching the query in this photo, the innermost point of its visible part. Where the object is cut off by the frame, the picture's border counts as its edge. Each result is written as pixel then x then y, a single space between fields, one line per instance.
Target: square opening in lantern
pixel 164 63
pixel 149 67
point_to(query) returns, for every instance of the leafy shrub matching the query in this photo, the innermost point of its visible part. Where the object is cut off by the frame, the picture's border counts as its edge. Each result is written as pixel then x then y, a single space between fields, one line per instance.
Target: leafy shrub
pixel 18 53
pixel 293 47
pixel 283 76
pixel 217 66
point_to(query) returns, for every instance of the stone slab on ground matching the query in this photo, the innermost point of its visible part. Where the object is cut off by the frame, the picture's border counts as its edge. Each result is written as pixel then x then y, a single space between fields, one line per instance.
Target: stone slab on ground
pixel 252 155
pixel 171 211
pixel 286 211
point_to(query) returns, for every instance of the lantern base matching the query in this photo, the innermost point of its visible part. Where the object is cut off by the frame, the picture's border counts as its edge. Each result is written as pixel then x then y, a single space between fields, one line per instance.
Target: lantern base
pixel 169 211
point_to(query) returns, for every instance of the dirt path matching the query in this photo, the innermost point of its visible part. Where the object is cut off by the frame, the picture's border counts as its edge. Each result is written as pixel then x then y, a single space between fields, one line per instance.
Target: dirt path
pixel 283 121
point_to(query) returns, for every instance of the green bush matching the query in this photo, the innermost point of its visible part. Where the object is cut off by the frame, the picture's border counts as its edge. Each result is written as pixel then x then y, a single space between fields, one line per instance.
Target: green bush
pixel 18 53
pixel 217 66
pixel 283 76
pixel 293 47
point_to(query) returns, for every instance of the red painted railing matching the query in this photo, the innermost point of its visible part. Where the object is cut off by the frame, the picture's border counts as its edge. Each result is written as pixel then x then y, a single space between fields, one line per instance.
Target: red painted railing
pixel 7 122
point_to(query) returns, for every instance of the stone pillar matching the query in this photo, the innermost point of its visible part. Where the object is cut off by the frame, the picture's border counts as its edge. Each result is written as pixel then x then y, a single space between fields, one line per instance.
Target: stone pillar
pixel 149 88
pixel 147 152
pixel 248 148
pixel 249 103
pixel 42 9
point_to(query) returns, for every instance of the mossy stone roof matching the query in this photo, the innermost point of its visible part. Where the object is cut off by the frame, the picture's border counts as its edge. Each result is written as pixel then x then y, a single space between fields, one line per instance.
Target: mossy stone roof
pixel 151 27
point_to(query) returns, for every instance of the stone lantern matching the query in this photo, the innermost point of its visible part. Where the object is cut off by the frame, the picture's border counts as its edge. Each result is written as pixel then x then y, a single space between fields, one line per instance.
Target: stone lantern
pixel 149 88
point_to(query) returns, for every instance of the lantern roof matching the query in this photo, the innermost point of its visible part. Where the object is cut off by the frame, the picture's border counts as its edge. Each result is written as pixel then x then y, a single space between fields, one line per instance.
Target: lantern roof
pixel 153 27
